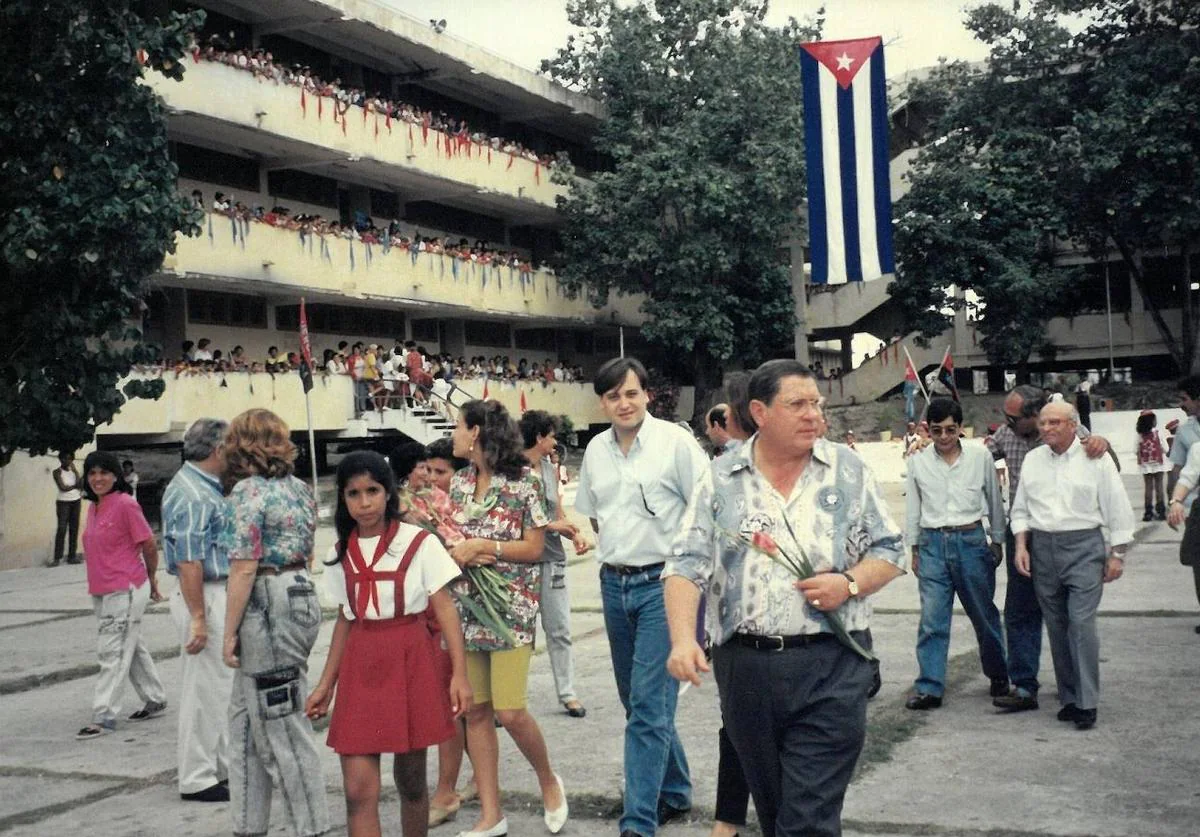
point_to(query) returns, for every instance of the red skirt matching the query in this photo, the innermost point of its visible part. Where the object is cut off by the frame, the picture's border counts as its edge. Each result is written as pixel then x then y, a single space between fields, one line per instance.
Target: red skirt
pixel 391 692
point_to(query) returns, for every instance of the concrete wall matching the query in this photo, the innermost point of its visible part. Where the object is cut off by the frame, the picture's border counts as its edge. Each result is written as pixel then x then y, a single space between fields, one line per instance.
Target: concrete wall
pixel 27 514
pixel 239 98
pixel 276 262
pixel 579 401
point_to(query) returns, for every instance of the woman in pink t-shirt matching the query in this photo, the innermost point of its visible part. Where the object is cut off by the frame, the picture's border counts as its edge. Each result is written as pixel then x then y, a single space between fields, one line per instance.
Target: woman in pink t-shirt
pixel 122 560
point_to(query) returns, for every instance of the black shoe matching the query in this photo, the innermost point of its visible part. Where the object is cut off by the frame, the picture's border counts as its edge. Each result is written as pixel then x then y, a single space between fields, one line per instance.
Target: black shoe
pixel 876 683
pixel 1196 629
pixel 922 702
pixel 1148 516
pixel 1069 712
pixel 999 687
pixel 215 793
pixel 1160 512
pixel 1085 718
pixel 1018 700
pixel 74 560
pixel 667 813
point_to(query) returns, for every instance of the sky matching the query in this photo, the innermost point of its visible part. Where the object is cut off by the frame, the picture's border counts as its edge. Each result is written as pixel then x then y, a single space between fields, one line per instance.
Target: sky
pixel 916 33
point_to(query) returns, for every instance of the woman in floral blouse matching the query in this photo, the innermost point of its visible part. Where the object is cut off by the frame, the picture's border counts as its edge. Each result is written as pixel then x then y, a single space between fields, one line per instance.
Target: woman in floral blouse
pixel 271 622
pixel 503 518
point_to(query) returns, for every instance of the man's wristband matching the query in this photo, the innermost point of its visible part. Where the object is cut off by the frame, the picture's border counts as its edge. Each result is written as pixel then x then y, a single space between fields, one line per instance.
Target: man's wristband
pixel 1174 501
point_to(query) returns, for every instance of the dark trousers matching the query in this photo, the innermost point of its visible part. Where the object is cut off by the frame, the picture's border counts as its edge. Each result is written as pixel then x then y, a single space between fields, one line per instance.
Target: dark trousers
pixel 67 530
pixel 733 794
pixel 797 719
pixel 1022 624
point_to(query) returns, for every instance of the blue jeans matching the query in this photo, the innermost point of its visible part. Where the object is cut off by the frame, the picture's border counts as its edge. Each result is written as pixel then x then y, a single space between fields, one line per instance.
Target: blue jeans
pixel 1022 624
pixel 655 766
pixel 956 562
pixel 910 401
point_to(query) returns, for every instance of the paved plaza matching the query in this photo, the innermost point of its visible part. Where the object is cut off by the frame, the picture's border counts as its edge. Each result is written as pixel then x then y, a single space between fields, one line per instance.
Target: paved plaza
pixel 960 770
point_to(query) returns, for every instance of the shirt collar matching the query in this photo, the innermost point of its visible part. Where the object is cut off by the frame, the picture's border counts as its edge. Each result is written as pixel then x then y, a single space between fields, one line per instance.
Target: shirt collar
pixel 743 457
pixel 644 431
pixel 1071 450
pixel 204 475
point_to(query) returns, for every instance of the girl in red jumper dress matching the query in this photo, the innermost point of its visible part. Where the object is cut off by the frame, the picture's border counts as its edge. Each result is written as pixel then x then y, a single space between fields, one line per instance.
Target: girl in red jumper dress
pixel 391 695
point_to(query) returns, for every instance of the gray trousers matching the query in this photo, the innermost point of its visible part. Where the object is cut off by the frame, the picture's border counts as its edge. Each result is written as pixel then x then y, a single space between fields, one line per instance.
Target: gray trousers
pixel 270 739
pixel 122 653
pixel 1068 578
pixel 797 719
pixel 555 608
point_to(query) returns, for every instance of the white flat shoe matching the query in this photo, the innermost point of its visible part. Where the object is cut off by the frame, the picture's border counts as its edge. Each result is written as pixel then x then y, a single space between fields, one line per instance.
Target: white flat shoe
pixel 500 829
pixel 556 819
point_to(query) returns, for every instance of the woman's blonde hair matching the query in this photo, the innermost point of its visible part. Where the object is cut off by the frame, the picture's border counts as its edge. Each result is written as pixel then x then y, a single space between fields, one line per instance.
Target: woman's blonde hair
pixel 258 443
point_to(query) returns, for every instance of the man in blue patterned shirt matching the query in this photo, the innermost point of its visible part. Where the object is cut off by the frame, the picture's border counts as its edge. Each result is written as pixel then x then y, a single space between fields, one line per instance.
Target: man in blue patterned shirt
pixel 193 515
pixel 793 697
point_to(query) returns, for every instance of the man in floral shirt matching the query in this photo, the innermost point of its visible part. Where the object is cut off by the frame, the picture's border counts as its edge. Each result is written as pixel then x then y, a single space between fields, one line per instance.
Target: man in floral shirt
pixel 793 692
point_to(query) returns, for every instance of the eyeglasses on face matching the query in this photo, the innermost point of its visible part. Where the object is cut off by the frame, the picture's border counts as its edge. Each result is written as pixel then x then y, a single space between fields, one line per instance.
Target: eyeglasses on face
pixel 937 430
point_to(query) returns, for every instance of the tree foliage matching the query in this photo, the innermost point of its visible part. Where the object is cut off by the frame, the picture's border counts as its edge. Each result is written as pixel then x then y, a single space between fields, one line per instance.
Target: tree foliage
pixel 1063 141
pixel 88 210
pixel 704 133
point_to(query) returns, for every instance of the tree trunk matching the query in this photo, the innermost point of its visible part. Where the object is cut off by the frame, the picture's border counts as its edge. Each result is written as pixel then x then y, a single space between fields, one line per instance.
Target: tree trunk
pixel 1179 353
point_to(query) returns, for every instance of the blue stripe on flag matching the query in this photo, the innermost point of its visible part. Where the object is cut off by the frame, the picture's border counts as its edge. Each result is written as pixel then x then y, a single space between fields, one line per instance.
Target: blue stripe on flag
pixel 849 178
pixel 818 243
pixel 883 182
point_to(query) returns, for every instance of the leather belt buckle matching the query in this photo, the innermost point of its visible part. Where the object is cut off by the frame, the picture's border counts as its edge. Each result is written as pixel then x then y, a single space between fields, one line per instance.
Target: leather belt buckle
pixel 772 643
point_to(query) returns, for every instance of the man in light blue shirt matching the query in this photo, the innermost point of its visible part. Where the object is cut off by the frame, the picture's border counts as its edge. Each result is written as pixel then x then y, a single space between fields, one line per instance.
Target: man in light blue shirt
pixel 954 503
pixel 1183 501
pixel 634 485
pixel 193 515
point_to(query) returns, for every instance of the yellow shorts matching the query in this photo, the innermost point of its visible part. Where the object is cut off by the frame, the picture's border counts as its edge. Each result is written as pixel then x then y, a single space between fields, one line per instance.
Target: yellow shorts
pixel 501 677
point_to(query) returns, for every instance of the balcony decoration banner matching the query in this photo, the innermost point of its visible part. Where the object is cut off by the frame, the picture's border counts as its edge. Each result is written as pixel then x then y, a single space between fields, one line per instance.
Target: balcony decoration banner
pixel 846 147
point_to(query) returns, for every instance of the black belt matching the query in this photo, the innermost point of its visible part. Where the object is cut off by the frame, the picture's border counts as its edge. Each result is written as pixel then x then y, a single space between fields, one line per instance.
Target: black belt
pixel 626 569
pixel 966 527
pixel 778 643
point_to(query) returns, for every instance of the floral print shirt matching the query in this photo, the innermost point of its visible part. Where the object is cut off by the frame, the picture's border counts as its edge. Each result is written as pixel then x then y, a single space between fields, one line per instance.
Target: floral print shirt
pixel 508 508
pixel 836 515
pixel 272 521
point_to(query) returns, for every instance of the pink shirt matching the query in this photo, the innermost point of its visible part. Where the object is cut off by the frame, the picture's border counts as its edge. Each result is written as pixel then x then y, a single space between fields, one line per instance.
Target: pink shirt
pixel 116 529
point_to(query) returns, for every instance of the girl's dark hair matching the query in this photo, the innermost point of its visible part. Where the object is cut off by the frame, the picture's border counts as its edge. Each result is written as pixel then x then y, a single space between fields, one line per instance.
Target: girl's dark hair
pixel 1146 423
pixel 105 461
pixel 376 467
pixel 498 436
pixel 405 457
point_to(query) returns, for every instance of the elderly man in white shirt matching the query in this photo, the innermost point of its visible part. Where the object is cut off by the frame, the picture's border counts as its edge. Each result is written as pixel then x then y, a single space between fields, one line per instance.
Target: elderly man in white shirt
pixel 952 490
pixel 1063 502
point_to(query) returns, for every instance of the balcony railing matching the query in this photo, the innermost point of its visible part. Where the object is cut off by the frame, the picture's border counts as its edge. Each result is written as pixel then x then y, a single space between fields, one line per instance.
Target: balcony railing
pixel 241 99
pixel 292 260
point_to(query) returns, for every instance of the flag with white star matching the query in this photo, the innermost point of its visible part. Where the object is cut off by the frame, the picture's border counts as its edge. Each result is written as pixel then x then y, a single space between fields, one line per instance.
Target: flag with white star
pixel 846 146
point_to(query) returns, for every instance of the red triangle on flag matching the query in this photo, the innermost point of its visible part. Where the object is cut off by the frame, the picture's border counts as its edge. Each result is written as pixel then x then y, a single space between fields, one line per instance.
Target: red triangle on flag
pixel 843 58
pixel 523 407
pixel 485 392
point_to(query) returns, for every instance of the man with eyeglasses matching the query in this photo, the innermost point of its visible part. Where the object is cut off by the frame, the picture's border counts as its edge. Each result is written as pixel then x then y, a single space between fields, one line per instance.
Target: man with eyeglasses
pixel 793 693
pixel 634 485
pixel 1022 615
pixel 954 504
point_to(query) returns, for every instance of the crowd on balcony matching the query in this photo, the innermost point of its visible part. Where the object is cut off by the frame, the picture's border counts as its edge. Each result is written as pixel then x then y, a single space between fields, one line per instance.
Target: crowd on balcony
pixel 262 64
pixel 365 230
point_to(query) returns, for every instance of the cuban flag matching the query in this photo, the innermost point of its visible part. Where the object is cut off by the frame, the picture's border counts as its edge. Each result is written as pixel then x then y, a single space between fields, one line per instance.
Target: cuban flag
pixel 846 139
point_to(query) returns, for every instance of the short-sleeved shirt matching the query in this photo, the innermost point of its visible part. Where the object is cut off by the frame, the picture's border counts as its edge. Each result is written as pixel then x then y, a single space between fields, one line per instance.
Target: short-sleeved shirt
pixel 1185 437
pixel 431 569
pixel 116 530
pixel 193 518
pixel 272 521
pixel 835 517
pixel 509 507
pixel 638 498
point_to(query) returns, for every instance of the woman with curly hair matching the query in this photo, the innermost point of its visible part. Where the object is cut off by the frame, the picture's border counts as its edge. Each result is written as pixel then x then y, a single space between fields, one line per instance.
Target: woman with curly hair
pixel 271 622
pixel 503 517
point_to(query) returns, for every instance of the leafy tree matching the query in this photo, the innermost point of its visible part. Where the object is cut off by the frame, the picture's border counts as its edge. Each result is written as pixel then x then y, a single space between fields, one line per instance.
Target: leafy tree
pixel 704 134
pixel 1083 141
pixel 88 209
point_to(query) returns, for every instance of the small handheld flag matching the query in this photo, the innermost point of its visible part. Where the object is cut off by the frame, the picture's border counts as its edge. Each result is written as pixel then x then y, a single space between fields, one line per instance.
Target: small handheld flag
pixel 945 375
pixel 306 361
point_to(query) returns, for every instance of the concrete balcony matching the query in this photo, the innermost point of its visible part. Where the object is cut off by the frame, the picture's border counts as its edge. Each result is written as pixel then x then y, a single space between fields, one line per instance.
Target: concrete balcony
pixel 259 258
pixel 234 108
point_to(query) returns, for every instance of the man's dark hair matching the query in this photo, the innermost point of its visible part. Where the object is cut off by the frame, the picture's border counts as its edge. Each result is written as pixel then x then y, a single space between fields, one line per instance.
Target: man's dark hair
pixel 764 382
pixel 613 372
pixel 405 457
pixel 717 416
pixel 1032 399
pixel 1190 385
pixel 941 409
pixel 444 449
pixel 737 391
pixel 536 423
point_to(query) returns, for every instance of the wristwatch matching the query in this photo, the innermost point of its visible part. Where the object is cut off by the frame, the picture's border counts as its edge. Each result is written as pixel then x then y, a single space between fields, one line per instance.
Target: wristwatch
pixel 853 585
pixel 499 554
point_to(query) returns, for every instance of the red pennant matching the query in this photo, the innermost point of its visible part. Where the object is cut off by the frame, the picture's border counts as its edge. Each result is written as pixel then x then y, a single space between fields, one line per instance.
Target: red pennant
pixel 537 173
pixel 485 393
pixel 142 57
pixel 196 55
pixel 387 121
pixel 303 103
pixel 320 106
pixel 510 161
pixel 425 129
pixel 523 407
pixel 489 155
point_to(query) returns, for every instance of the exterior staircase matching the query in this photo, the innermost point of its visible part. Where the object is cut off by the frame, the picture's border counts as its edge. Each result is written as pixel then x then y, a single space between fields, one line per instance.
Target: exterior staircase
pixel 885 371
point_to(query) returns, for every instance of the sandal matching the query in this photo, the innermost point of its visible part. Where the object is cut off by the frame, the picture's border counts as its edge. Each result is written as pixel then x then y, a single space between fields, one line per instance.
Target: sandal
pixel 575 709
pixel 439 815
pixel 93 731
pixel 469 792
pixel 151 709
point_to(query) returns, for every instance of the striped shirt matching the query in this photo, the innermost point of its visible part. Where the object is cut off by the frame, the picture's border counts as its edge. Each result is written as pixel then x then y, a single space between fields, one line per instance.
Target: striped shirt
pixel 193 515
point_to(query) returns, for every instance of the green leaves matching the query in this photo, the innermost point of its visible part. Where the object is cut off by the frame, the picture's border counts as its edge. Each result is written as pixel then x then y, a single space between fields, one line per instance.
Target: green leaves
pixel 88 210
pixel 705 137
